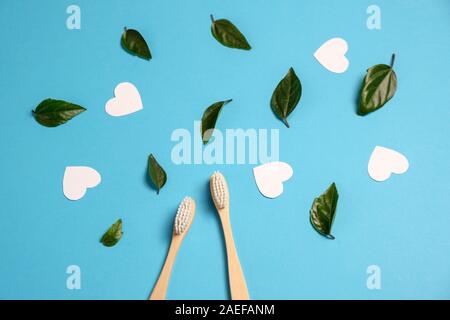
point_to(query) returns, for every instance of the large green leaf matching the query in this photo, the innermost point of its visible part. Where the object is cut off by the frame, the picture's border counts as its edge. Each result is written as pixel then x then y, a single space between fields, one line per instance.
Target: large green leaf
pixel 286 96
pixel 133 42
pixel 228 34
pixel 52 113
pixel 156 173
pixel 378 87
pixel 113 234
pixel 209 119
pixel 323 211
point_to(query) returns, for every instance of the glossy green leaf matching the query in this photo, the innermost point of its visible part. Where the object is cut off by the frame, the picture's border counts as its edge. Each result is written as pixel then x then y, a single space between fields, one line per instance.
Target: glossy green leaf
pixel 323 211
pixel 113 234
pixel 378 87
pixel 286 96
pixel 133 42
pixel 52 113
pixel 228 34
pixel 209 119
pixel 156 173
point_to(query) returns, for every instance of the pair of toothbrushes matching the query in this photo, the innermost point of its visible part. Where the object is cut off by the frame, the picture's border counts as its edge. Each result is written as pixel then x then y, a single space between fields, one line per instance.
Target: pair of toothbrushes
pixel 183 221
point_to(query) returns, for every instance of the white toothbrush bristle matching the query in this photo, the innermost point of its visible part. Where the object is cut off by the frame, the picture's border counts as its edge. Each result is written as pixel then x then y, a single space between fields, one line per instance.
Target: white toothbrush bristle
pixel 183 215
pixel 219 193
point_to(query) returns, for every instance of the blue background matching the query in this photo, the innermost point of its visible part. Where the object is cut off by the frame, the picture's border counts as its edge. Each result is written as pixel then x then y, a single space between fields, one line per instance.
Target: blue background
pixel 400 225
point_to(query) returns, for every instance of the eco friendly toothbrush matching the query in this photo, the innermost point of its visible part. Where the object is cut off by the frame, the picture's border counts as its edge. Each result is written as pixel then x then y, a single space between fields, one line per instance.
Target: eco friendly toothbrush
pixel 183 221
pixel 220 196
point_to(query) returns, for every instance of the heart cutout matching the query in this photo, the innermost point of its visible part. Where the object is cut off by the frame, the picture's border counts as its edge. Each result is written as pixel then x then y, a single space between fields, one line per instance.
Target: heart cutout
pixel 270 177
pixel 127 100
pixel 77 180
pixel 331 55
pixel 383 162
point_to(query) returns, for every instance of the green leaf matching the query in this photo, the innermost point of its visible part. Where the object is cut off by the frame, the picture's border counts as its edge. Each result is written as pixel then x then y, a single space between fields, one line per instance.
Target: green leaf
pixel 113 234
pixel 156 173
pixel 378 87
pixel 209 119
pixel 323 211
pixel 286 96
pixel 52 113
pixel 227 34
pixel 133 42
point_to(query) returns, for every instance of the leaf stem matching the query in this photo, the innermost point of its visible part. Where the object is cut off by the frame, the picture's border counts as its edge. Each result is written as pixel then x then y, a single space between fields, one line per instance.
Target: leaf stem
pixel 212 18
pixel 392 60
pixel 285 122
pixel 329 236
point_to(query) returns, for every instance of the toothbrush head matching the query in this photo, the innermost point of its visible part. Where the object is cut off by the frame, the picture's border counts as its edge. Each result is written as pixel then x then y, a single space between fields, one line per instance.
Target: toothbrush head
pixel 219 190
pixel 185 214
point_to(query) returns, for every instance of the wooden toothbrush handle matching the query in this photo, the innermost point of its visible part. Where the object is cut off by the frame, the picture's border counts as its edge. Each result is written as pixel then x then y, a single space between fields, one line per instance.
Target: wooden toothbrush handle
pixel 160 289
pixel 238 286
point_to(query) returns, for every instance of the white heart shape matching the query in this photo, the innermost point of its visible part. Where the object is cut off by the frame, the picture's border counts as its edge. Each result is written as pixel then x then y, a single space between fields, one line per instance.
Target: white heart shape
pixel 127 100
pixel 77 179
pixel 331 55
pixel 384 161
pixel 270 177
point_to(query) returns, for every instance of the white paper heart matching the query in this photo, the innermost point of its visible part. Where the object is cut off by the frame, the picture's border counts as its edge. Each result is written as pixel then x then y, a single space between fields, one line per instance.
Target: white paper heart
pixel 384 161
pixel 270 177
pixel 127 100
pixel 331 55
pixel 77 179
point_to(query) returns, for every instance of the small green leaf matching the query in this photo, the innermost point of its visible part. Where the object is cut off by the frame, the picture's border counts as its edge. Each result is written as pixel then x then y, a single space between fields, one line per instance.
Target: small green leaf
pixel 286 96
pixel 323 211
pixel 156 173
pixel 378 87
pixel 113 234
pixel 133 42
pixel 52 113
pixel 227 34
pixel 209 119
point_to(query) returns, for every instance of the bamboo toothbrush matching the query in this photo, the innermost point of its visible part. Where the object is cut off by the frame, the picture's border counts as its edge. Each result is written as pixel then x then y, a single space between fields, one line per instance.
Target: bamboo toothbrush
pixel 183 221
pixel 220 196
